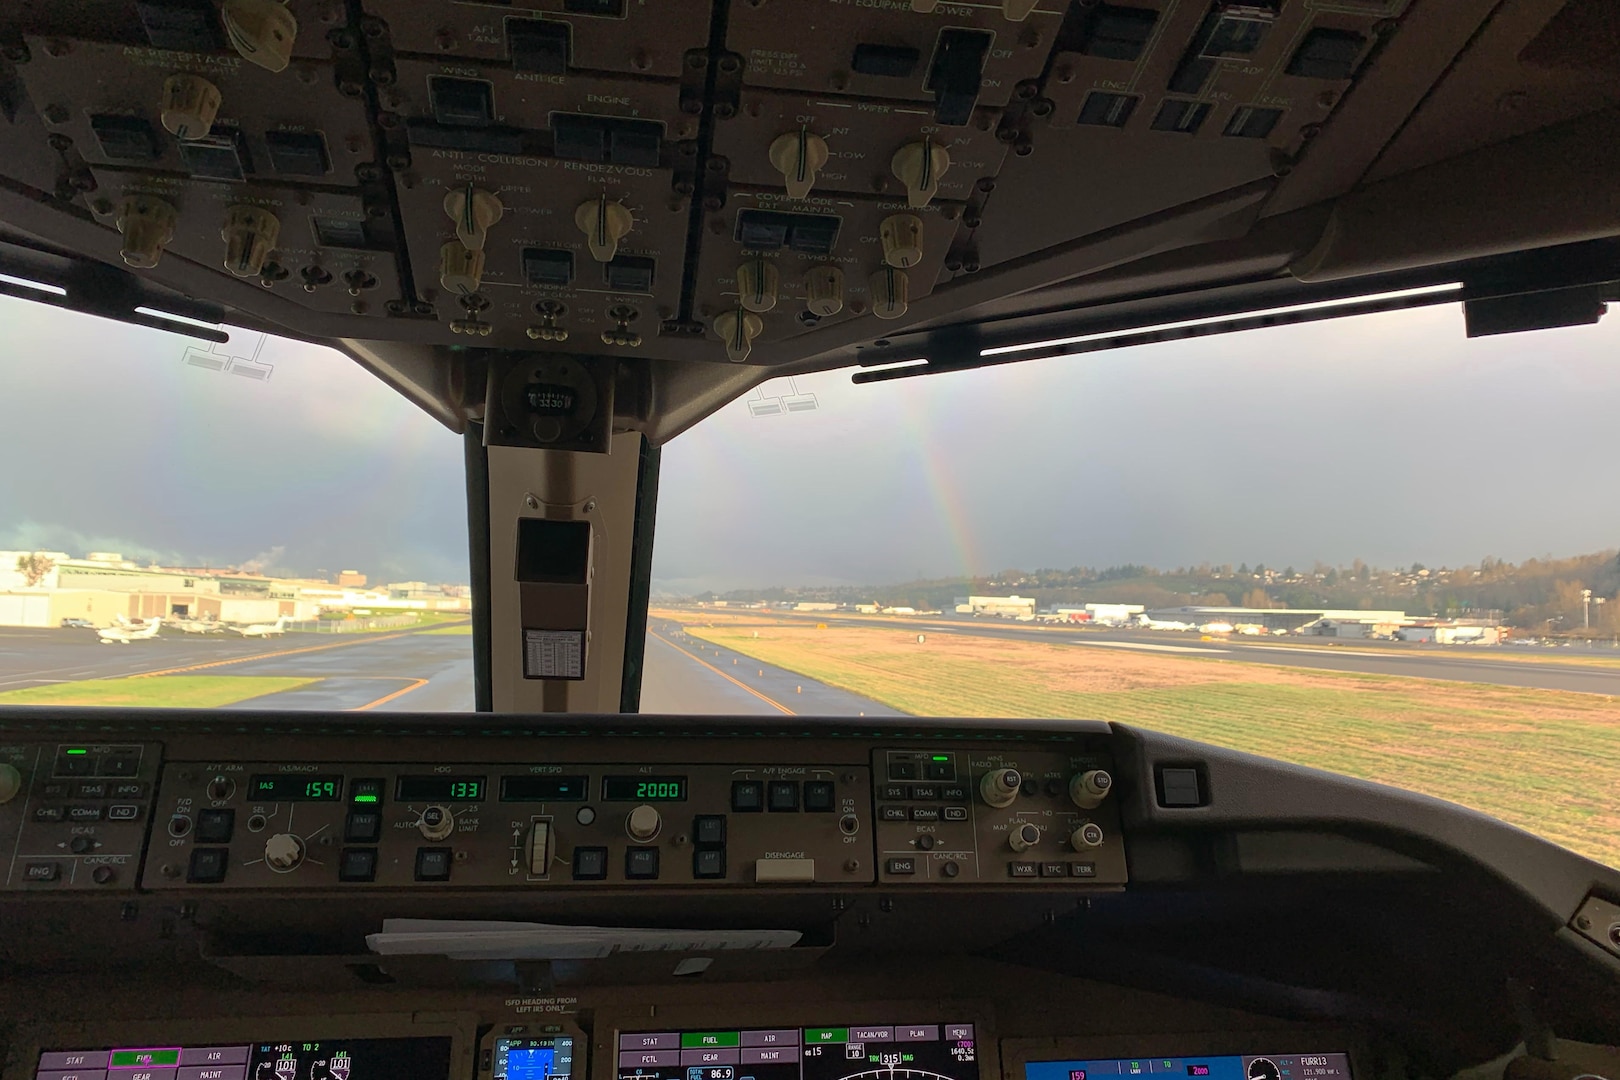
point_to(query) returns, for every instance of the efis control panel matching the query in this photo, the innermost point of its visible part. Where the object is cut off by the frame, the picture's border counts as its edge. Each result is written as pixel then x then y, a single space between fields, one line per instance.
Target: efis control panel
pixel 74 815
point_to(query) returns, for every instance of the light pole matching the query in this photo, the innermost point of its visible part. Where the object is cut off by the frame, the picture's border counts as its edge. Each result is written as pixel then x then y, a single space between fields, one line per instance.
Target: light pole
pixel 1586 604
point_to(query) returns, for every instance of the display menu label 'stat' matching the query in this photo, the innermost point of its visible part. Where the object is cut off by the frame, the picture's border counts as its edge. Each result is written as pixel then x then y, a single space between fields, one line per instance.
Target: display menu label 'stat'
pixel 924 1051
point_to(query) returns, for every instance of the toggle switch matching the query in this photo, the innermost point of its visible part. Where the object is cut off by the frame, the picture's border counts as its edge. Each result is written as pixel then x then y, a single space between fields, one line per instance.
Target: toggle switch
pixel 919 165
pixel 902 239
pixel 261 31
pixel 824 290
pixel 148 226
pixel 798 156
pixel 475 212
pixel 738 329
pixel 757 284
pixel 250 235
pixel 461 270
pixel 889 289
pixel 604 222
pixel 189 106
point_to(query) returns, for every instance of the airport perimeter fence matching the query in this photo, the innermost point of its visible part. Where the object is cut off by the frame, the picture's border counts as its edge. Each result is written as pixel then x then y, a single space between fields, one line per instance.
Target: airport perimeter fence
pixel 355 626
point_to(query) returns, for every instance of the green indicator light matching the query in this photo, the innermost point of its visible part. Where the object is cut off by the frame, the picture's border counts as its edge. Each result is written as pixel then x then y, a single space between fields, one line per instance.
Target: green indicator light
pixel 942 757
pixel 813 1036
pixel 365 798
pixel 698 1040
pixel 136 1059
pixel 78 751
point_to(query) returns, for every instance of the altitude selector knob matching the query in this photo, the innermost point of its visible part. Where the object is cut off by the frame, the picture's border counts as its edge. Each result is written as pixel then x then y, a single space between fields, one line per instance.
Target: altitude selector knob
pixel 1087 790
pixel 283 852
pixel 1000 787
pixel 643 822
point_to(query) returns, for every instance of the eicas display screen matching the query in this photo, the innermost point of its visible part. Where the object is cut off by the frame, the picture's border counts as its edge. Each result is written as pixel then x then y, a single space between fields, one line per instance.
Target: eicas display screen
pixel 425 1058
pixel 533 1059
pixel 857 1052
pixel 1214 1067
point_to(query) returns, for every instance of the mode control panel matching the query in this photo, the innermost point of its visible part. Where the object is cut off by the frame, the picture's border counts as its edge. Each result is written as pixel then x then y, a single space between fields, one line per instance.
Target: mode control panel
pixel 73 815
pixel 266 825
pixel 1028 816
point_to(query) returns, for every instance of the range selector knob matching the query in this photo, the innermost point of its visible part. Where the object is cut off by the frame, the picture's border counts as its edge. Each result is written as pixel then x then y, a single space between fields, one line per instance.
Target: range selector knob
pixel 475 212
pixel 1023 836
pixel 283 852
pixel 250 235
pixel 261 31
pixel 148 226
pixel 890 291
pixel 918 166
pixel 1000 787
pixel 798 156
pixel 757 282
pixel 1087 836
pixel 1088 789
pixel 738 329
pixel 643 822
pixel 902 237
pixel 189 106
pixel 824 290
pixel 10 783
pixel 604 222
pixel 461 270
pixel 436 822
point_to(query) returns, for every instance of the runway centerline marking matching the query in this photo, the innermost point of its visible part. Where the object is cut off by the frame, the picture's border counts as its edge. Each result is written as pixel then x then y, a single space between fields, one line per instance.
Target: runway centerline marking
pixel 736 682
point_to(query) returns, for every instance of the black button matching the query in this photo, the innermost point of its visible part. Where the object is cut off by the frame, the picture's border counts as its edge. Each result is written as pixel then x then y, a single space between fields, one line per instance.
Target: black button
pixel 925 813
pixel 1251 122
pixel 784 796
pixel 181 25
pixel 461 102
pixel 950 868
pixel 925 842
pixel 590 863
pixel 362 827
pixel 939 770
pixel 896 791
pixel 538 45
pixel 892 813
pixel 955 813
pixel 48 813
pixel 924 791
pixel 547 266
pixel 123 812
pixel 709 864
pixel 135 790
pixel 641 863
pixel 1180 786
pixel 84 813
pixel 75 765
pixel 433 864
pixel 359 864
pixel 762 230
pixel 953 793
pixel 90 789
pixel 219 155
pixel 1116 33
pixel 42 871
pixel 1327 54
pixel 709 830
pixel 1107 110
pixel 902 866
pixel 1083 869
pixel 629 273
pixel 125 138
pixel 298 153
pixel 1181 116
pixel 887 61
pixel 818 796
pixel 54 791
pixel 340 233
pixel 635 143
pixel 815 234
pixel 120 765
pixel 957 74
pixel 902 770
pixel 1054 869
pixel 81 845
pixel 579 138
pixel 1022 869
pixel 208 865
pixel 102 875
pixel 747 796
pixel 215 826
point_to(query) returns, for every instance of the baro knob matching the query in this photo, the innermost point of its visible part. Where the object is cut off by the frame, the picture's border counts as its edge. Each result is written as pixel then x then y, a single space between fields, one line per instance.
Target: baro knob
pixel 1000 787
pixel 1090 788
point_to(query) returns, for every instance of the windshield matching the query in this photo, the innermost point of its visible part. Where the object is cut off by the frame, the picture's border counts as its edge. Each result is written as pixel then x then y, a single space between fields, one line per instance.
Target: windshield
pixel 1371 546
pixel 260 525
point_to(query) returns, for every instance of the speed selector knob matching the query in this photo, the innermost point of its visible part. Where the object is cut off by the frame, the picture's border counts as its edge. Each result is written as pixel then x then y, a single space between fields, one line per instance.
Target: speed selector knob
pixel 1087 836
pixel 283 852
pixel 919 166
pixel 1023 836
pixel 1000 787
pixel 902 237
pixel 148 226
pixel 250 234
pixel 461 271
pixel 436 823
pixel 643 822
pixel 475 212
pixel 10 783
pixel 798 156
pixel 188 106
pixel 604 222
pixel 261 31
pixel 824 290
pixel 738 329
pixel 1090 788
pixel 889 289
pixel 757 282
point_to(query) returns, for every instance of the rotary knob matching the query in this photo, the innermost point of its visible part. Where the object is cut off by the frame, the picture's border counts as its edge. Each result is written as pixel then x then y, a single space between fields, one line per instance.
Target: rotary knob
pixel 283 852
pixel 643 822
pixel 147 225
pixel 1000 787
pixel 188 106
pixel 1087 790
pixel 902 237
pixel 890 290
pixel 461 270
pixel 261 31
pixel 824 291
pixel 250 234
pixel 436 822
pixel 798 156
pixel 475 212
pixel 757 282
pixel 919 166
pixel 10 783
pixel 738 329
pixel 1087 836
pixel 1023 837
pixel 604 222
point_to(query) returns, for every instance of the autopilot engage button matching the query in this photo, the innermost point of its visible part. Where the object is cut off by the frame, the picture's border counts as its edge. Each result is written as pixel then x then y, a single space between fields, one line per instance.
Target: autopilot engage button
pixel 747 796
pixel 590 863
pixel 208 865
pixel 818 796
pixel 784 796
pixel 433 864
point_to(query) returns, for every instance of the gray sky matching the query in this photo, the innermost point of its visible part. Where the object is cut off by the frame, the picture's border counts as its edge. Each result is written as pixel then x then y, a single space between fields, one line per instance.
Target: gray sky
pixel 1390 438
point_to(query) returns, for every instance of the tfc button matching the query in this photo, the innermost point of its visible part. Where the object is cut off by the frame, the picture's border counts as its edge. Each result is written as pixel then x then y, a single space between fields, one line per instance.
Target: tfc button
pixel 1054 869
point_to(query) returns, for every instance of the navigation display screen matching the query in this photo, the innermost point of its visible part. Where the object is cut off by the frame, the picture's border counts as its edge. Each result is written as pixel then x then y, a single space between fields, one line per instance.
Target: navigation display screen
pixel 856 1052
pixel 316 1059
pixel 533 1059
pixel 1214 1066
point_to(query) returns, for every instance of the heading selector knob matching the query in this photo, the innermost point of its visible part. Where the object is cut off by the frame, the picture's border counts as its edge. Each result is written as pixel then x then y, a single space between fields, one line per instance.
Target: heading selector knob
pixel 436 823
pixel 10 783
pixel 283 852
pixel 1090 788
pixel 1023 836
pixel 1000 787
pixel 643 822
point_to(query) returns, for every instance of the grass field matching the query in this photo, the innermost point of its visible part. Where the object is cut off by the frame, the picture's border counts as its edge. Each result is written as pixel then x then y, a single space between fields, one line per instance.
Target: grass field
pixel 457 629
pixel 165 691
pixel 1548 761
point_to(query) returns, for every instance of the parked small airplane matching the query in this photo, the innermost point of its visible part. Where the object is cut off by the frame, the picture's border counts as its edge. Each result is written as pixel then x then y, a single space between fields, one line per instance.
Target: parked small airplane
pixel 264 629
pixel 200 626
pixel 123 635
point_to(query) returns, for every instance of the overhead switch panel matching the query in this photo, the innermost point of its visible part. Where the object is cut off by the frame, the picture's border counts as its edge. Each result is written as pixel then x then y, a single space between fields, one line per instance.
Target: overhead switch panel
pixel 957 74
pixel 538 45
pixel 1229 30
pixel 1113 32
pixel 1327 54
pixel 461 102
pixel 885 61
pixel 298 153
pixel 125 138
pixel 181 25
